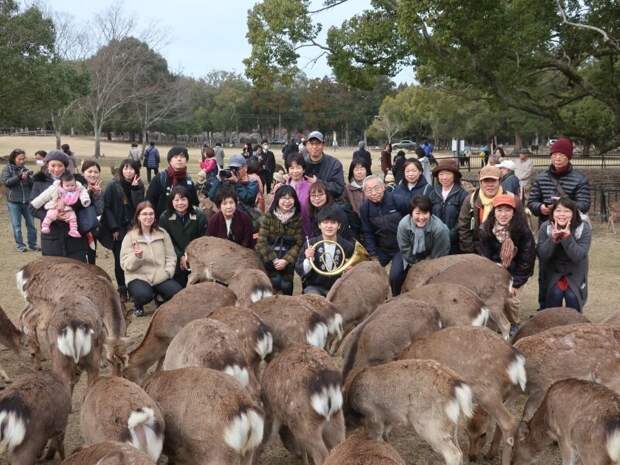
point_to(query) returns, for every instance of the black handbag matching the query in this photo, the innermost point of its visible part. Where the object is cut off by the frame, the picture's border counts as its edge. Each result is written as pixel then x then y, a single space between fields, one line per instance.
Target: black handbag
pixel 87 219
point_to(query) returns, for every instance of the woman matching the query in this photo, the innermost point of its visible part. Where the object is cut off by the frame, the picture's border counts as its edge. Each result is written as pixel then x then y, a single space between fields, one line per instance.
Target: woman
pixel 386 159
pixel 413 182
pixel 148 260
pixel 420 235
pixel 57 243
pixel 296 167
pixel 184 223
pixel 563 246
pixel 505 238
pixel 447 198
pixel 229 222
pixel 321 198
pixel 397 166
pixel 354 192
pixel 18 180
pixel 120 199
pixel 91 171
pixel 247 150
pixel 280 239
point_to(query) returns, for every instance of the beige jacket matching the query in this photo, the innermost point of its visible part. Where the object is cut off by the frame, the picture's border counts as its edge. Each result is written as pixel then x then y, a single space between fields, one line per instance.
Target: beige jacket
pixel 158 260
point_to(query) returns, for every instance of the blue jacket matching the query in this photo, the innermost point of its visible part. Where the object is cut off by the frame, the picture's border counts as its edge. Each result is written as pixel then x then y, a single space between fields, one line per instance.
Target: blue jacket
pixel 510 183
pixel 151 157
pixel 404 194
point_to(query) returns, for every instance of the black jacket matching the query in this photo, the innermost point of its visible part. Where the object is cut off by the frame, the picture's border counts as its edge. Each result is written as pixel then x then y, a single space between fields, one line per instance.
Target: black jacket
pixel 118 210
pixel 18 188
pixel 405 195
pixel 364 155
pixel 313 278
pixel 345 227
pixel 328 170
pixel 270 161
pixel 398 168
pixel 159 191
pixel 573 182
pixel 448 211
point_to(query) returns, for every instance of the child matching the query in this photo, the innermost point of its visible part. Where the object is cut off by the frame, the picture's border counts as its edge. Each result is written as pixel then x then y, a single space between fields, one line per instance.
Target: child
pixel 280 238
pixel 58 200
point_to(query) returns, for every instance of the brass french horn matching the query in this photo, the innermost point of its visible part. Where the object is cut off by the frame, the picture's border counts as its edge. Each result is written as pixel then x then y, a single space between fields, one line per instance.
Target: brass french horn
pixel 359 255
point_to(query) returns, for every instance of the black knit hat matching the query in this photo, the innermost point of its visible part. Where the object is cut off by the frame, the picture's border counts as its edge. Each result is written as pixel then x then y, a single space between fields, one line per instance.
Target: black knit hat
pixel 177 150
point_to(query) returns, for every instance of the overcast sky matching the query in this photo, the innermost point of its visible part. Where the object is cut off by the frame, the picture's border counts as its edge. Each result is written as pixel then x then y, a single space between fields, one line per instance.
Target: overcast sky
pixel 207 35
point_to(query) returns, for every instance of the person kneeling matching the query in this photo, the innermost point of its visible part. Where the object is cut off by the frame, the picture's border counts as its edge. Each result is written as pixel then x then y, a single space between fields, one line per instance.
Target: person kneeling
pixel 326 257
pixel 420 235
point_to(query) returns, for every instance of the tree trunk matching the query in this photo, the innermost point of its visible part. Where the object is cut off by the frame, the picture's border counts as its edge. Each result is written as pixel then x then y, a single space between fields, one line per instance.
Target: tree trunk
pixel 586 149
pixel 518 141
pixel 57 130
pixel 97 131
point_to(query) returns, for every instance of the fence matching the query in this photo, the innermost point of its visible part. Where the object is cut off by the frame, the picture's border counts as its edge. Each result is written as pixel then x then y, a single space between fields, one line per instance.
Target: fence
pixel 36 132
pixel 609 160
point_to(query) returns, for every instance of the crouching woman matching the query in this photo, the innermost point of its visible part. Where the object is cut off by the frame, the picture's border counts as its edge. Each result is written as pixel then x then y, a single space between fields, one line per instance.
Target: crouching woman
pixel 148 260
pixel 326 256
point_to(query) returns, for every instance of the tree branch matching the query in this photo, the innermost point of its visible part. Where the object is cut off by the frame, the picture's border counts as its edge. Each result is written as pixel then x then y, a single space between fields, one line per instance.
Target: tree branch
pixel 606 37
pixel 328 7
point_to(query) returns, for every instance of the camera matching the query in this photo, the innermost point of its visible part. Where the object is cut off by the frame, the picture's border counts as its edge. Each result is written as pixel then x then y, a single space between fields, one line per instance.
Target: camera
pixel 225 174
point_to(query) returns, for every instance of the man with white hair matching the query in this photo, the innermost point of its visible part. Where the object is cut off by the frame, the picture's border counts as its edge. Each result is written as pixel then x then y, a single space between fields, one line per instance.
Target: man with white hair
pixel 509 181
pixel 380 214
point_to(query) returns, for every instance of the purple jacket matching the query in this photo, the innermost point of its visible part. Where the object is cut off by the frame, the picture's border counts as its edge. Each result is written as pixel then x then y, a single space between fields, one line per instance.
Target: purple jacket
pixel 302 189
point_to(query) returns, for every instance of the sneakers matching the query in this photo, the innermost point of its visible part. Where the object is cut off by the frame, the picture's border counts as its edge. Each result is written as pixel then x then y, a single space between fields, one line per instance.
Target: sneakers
pixel 138 311
pixel 74 233
pixel 21 249
pixel 35 248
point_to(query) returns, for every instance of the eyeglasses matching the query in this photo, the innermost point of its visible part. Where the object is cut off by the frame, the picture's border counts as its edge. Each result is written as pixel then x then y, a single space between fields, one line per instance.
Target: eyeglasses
pixel 374 190
pixel 146 214
pixel 318 195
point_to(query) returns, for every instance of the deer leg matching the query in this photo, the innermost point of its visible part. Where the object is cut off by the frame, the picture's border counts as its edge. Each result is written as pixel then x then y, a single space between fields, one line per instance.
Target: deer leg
pixel 334 430
pixel 505 420
pixel 476 433
pixel 439 435
pixel 567 452
pixel 310 438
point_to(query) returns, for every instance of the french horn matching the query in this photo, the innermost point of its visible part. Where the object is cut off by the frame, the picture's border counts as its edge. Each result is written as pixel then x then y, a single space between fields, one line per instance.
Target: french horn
pixel 359 255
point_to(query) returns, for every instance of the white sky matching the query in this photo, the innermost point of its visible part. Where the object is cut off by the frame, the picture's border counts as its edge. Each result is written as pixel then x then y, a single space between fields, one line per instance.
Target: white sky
pixel 207 35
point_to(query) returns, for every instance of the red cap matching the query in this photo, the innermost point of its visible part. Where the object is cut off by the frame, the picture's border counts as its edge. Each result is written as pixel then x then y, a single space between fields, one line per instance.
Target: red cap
pixel 505 199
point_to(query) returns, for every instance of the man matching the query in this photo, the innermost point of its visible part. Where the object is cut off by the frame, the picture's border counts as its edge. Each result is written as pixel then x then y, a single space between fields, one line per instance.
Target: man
pixel 72 160
pixel 476 208
pixel 236 177
pixel 219 154
pixel 362 153
pixel 269 165
pixel 151 161
pixel 380 214
pixel 524 168
pixel 136 155
pixel 559 180
pixel 176 174
pixel 289 148
pixel 510 182
pixel 324 167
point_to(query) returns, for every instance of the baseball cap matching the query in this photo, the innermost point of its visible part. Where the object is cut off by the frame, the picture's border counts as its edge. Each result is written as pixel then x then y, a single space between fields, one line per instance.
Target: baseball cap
pixel 315 135
pixel 508 164
pixel 237 161
pixel 490 172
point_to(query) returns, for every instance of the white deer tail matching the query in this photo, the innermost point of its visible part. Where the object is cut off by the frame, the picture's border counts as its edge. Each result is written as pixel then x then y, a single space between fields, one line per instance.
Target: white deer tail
pixel 12 426
pixel 326 398
pixel 245 431
pixel 516 371
pixel 239 373
pixel 317 334
pixel 264 342
pixel 75 341
pixel 482 318
pixel 146 432
pixel 613 441
pixel 463 401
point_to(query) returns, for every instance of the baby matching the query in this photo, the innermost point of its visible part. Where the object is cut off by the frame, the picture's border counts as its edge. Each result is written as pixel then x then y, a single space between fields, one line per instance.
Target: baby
pixel 58 200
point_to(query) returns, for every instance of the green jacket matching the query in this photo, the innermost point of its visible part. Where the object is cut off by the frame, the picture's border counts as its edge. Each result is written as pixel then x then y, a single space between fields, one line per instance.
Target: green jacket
pixel 182 234
pixel 274 236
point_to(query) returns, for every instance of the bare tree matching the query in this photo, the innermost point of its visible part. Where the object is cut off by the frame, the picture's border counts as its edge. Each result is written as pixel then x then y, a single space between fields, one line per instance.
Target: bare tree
pixel 387 125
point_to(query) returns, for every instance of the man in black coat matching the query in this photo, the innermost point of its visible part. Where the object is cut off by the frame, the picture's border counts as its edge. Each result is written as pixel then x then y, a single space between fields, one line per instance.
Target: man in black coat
pixel 324 167
pixel 362 153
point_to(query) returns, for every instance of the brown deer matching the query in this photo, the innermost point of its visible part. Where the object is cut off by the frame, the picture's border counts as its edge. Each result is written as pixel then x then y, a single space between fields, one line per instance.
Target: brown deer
pixel 582 417
pixel 250 286
pixel 33 412
pixel 115 409
pixel 549 318
pixel 193 302
pixel 108 453
pixel 357 449
pixel 10 337
pixel 210 418
pixel 302 387
pixel 330 312
pixel 418 393
pixel 613 213
pixel 486 362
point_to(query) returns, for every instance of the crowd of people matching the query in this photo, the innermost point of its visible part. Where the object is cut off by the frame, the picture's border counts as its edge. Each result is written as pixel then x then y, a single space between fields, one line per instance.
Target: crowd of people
pixel 307 220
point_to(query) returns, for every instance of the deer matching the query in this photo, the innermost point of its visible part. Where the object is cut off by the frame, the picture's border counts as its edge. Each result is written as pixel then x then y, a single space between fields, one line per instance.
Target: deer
pixel 581 416
pixel 291 321
pixel 250 286
pixel 108 453
pixel 490 365
pixel 193 302
pixel 255 336
pixel 330 312
pixel 115 409
pixel 418 393
pixel 549 318
pixel 358 292
pixel 357 449
pixel 210 418
pixel 613 213
pixel 11 338
pixel 391 328
pixel 34 412
pixel 302 387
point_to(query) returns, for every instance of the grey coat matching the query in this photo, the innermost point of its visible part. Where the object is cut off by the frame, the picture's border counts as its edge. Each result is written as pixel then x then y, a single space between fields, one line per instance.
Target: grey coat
pixel 18 189
pixel 568 257
pixel 436 239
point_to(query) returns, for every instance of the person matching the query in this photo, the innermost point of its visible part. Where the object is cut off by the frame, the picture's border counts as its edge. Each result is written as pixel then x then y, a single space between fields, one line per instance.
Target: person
pixel 524 168
pixel 289 148
pixel 208 164
pixel 420 235
pixel 386 159
pixel 359 169
pixel 175 175
pixel 269 165
pixel 320 198
pixel 280 239
pixel 184 223
pixel 380 214
pixel 151 160
pixel 447 198
pixel 325 256
pixel 427 147
pixel 58 201
pixel 485 152
pixel 135 154
pixel 253 172
pixel 301 147
pixel 219 154
pixel 361 152
pixel 148 260
pixel 413 182
pixel 476 208
pixel 498 156
pixel 57 243
pixel 247 151
pixel 506 238
pixel 91 172
pixel 398 166
pixel 426 164
pixel 71 156
pixel 563 246
pixel 509 181
pixel 296 167
pixel 18 180
pixel 230 222
pixel 39 157
pixel 120 200
pixel 324 167
pixel 561 179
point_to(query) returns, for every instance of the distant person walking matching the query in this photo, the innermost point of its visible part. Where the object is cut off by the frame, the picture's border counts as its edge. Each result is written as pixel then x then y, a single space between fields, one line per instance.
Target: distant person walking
pixel 151 160
pixel 136 155
pixel 219 154
pixel 362 153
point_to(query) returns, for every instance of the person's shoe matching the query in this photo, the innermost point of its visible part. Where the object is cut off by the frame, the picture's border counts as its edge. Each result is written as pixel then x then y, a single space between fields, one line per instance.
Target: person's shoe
pixel 138 311
pixel 158 300
pixel 35 248
pixel 21 249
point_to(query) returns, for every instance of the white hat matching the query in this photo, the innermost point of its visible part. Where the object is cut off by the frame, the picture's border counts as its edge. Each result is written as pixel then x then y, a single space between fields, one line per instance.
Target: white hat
pixel 508 164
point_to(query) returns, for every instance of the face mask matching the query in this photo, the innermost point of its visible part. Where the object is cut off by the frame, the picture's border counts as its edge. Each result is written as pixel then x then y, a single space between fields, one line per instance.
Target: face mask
pixel 40 162
pixel 265 147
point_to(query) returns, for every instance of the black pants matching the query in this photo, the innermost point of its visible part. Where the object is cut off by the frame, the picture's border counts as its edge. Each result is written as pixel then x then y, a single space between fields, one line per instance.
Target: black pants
pixel 148 173
pixel 180 276
pixel 142 292
pixel 281 280
pixel 119 274
pixel 398 273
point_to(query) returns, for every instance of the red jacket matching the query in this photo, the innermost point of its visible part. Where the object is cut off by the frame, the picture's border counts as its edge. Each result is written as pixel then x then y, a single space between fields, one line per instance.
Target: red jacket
pixel 241 228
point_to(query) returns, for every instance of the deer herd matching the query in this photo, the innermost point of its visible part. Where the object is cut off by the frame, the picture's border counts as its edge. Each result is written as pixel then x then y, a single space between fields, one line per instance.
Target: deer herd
pixel 222 371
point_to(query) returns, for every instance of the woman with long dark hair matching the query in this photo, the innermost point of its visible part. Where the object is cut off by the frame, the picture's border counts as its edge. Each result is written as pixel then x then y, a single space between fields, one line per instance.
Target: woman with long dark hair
pixel 413 182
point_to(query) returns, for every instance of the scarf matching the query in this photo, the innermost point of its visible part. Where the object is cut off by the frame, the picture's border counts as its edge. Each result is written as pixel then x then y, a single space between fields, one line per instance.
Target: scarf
pixel 554 170
pixel 283 216
pixel 508 250
pixel 356 184
pixel 176 176
pixel 419 244
pixel 487 204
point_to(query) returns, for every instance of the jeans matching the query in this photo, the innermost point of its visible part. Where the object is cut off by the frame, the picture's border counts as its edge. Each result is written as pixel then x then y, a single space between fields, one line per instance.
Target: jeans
pixel 316 290
pixel 398 273
pixel 142 292
pixel 557 297
pixel 148 173
pixel 16 211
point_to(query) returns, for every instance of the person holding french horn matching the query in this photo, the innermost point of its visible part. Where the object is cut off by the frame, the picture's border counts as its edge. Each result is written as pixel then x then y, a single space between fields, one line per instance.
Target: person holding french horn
pixel 324 258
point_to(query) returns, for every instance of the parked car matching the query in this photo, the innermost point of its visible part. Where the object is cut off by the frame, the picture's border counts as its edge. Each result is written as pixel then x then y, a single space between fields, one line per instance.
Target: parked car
pixel 404 144
pixel 278 142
